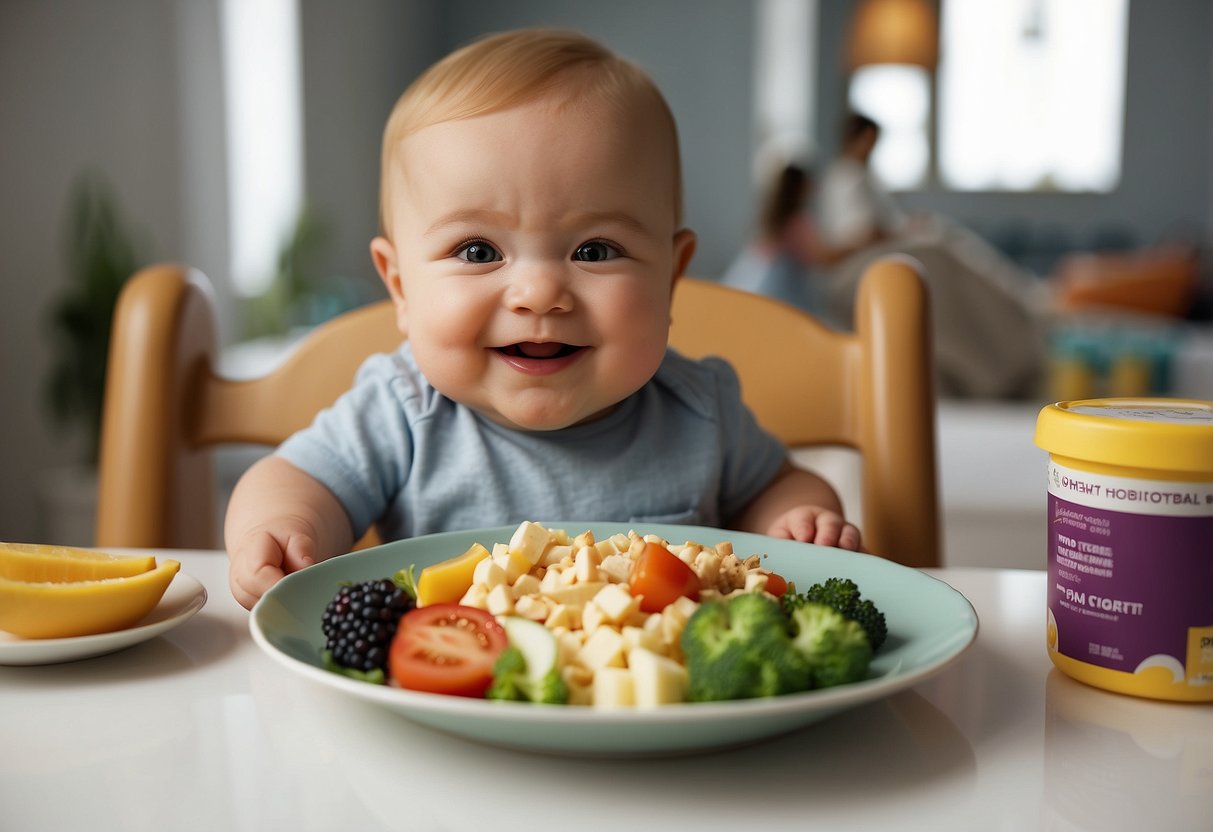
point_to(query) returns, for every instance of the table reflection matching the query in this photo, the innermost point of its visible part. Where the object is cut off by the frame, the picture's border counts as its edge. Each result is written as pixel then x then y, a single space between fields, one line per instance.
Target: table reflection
pixel 1120 762
pixel 390 762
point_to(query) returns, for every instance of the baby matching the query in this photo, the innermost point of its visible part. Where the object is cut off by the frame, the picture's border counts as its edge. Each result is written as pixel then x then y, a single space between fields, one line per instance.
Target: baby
pixel 531 210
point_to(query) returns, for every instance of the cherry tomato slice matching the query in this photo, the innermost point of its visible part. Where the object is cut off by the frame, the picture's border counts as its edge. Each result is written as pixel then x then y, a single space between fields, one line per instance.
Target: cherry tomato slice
pixel 660 578
pixel 777 585
pixel 446 648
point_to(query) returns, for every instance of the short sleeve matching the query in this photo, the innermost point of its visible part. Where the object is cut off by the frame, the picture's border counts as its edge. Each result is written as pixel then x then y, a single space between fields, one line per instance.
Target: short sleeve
pixel 361 447
pixel 752 456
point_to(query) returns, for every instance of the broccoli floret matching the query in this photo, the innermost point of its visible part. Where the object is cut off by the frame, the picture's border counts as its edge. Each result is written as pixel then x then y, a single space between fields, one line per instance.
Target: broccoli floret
pixel 740 649
pixel 842 595
pixel 511 683
pixel 836 648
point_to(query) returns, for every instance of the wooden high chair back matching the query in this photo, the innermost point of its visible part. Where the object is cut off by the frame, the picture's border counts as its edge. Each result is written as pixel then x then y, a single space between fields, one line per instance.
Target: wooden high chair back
pixel 166 408
pixel 871 390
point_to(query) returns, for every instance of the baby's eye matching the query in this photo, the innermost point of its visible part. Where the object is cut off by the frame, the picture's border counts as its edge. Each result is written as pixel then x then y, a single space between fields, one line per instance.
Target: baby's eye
pixel 478 251
pixel 594 251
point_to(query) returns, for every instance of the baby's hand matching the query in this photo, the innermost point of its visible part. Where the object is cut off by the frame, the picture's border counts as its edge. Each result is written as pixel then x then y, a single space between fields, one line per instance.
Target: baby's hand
pixel 264 557
pixel 812 524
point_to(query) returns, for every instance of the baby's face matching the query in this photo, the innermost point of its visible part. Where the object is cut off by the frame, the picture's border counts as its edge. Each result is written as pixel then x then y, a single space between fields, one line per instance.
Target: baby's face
pixel 532 259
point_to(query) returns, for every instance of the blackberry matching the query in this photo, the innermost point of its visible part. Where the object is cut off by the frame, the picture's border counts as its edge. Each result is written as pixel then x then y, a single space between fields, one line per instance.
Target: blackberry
pixel 360 622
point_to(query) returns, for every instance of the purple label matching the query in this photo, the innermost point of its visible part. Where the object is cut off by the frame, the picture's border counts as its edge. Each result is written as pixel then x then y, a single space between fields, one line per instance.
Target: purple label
pixel 1125 586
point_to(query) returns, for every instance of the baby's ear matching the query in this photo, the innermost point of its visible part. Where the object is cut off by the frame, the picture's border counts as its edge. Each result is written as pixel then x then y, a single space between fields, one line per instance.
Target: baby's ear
pixel 383 254
pixel 684 249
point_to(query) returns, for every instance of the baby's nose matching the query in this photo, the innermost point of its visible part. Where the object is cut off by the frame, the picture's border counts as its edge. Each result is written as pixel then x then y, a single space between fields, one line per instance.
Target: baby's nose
pixel 539 288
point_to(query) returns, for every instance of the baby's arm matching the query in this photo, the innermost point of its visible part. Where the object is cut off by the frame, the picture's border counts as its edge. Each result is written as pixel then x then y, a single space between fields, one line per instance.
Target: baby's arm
pixel 279 520
pixel 799 505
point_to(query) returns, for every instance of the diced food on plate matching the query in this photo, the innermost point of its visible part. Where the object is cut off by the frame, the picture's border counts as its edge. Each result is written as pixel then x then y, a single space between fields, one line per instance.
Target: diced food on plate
pixel 628 621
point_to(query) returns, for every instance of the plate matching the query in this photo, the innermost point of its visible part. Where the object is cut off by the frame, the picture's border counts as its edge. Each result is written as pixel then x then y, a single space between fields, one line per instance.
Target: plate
pixel 930 625
pixel 184 597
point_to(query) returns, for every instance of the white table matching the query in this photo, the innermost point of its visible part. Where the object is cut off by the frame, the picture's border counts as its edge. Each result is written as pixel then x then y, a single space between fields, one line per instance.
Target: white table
pixel 198 730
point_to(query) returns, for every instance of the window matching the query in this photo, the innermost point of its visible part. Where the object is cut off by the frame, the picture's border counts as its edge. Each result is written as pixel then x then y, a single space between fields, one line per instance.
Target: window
pixel 783 81
pixel 1031 94
pixel 264 134
pixel 898 98
pixel 1030 98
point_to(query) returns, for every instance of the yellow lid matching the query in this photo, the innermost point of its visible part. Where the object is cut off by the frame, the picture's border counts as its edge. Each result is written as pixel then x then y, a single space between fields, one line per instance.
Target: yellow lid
pixel 1163 434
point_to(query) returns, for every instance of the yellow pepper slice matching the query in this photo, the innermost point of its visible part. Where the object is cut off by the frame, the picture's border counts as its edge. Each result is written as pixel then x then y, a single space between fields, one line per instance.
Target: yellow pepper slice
pixel 446 582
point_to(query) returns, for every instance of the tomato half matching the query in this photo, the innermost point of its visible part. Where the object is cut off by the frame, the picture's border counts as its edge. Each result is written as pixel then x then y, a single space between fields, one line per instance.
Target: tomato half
pixel 661 578
pixel 777 585
pixel 446 648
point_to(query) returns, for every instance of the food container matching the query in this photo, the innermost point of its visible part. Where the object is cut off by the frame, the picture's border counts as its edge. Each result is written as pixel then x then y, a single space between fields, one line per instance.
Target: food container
pixel 1130 598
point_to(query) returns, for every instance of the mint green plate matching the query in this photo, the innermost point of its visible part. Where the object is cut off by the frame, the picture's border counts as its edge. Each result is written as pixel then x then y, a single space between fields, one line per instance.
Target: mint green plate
pixel 930 625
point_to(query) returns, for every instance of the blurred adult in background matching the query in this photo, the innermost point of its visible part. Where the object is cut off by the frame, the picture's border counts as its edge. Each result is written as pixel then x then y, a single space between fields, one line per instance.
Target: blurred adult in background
pixel 786 257
pixel 989 315
pixel 853 207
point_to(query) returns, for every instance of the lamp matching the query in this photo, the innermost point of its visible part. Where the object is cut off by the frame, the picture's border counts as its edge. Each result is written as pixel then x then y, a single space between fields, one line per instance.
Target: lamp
pixel 894 32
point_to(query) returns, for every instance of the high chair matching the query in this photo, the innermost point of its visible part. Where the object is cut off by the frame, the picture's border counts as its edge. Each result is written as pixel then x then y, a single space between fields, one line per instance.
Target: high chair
pixel 166 407
pixel 871 390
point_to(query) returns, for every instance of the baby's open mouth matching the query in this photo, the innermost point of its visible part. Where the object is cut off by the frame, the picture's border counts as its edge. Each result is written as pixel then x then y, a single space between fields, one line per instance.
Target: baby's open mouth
pixel 532 349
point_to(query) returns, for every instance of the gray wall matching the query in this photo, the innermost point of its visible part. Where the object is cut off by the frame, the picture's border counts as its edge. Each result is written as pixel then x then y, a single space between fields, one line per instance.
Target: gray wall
pixel 699 54
pixel 82 85
pixel 133 87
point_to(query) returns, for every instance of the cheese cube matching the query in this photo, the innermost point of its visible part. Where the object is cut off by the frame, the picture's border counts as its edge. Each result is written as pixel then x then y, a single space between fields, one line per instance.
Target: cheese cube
pixel 525 585
pixel 532 607
pixel 530 541
pixel 755 581
pixel 574 594
pixel 555 554
pixel 615 602
pixel 499 600
pixel 707 566
pixel 476 596
pixel 604 648
pixel 616 567
pixel 551 580
pixel 638 637
pixel 656 680
pixel 585 564
pixel 592 617
pixel 512 564
pixel 652 623
pixel 672 625
pixel 612 688
pixel 565 615
pixel 488 574
pixel 684 606
pixel 569 643
pixel 578 680
pixel 606 548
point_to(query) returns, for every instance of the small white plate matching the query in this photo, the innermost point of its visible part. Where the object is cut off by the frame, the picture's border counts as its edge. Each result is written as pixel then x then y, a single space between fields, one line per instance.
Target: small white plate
pixel 930 625
pixel 184 597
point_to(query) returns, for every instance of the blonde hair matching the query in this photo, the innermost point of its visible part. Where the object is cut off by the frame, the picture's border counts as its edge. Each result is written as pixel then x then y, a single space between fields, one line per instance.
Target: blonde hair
pixel 506 70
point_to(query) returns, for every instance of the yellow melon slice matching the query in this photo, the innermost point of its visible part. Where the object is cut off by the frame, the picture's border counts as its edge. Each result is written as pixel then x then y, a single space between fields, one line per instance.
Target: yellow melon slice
pixel 42 562
pixel 45 609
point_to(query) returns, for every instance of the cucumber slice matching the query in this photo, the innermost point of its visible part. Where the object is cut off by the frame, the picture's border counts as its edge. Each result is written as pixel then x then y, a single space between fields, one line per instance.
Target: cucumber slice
pixel 535 642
